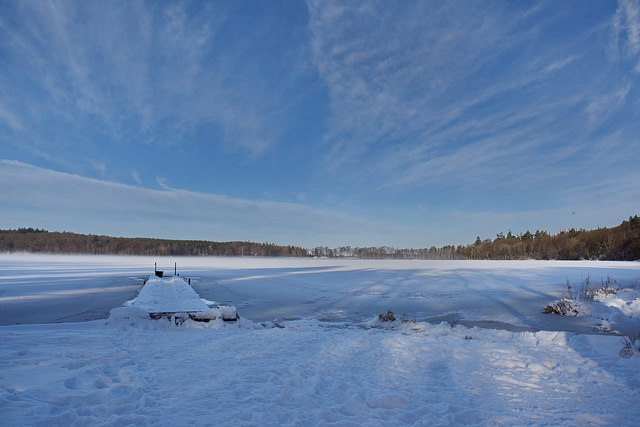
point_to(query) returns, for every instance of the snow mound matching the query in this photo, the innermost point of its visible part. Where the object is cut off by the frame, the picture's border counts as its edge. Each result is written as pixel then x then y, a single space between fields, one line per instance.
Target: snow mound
pixel 220 312
pixel 127 316
pixel 618 310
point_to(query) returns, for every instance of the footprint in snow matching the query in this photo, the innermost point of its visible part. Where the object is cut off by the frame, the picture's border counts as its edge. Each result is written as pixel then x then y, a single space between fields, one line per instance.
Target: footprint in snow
pixel 72 383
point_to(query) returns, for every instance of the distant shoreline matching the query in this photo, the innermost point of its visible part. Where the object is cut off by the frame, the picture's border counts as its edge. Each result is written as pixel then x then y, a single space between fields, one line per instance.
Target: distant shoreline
pixel 620 243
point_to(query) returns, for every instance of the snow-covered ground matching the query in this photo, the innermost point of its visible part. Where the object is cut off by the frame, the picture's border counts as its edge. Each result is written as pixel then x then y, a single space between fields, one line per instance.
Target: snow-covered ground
pixel 333 362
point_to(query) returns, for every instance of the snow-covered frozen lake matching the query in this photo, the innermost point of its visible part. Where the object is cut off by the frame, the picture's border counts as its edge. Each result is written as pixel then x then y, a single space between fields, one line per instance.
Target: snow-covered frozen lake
pixel 495 359
pixel 501 294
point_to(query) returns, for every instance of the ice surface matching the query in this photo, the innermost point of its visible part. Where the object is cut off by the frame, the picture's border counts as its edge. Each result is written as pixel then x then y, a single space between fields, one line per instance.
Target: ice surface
pixel 502 294
pixel 43 289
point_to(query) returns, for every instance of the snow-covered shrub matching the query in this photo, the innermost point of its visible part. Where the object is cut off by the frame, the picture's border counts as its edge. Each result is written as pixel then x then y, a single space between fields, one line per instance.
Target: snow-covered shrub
pixel 608 287
pixel 617 310
pixel 571 301
pixel 564 307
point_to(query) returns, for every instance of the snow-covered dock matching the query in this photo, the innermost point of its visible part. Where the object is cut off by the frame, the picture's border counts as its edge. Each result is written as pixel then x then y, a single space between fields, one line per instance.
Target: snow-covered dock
pixel 169 294
pixel 173 298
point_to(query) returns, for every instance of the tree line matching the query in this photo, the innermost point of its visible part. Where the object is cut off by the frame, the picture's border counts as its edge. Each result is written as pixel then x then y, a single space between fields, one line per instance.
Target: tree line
pixel 616 243
pixel 36 240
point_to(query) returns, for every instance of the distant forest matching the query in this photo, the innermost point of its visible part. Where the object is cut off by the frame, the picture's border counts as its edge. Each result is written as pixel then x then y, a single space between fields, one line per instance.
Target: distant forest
pixel 617 243
pixel 36 240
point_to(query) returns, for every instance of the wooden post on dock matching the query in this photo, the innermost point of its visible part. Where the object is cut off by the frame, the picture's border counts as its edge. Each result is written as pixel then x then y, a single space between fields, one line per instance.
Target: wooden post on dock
pixel 155 270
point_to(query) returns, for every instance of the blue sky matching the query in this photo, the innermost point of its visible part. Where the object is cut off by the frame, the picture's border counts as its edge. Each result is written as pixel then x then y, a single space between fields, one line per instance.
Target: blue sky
pixel 407 124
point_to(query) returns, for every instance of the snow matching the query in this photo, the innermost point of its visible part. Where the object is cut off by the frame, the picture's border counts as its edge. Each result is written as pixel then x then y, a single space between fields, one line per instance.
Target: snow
pixel 311 373
pixel 627 301
pixel 171 297
pixel 614 311
pixel 168 295
pixel 333 361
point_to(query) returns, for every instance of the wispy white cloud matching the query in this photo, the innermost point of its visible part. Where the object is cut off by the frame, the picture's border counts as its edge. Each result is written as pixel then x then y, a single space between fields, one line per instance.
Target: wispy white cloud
pixel 631 11
pixel 605 106
pixel 31 195
pixel 390 84
pixel 559 65
pixel 100 167
pixel 458 95
pixel 626 25
pixel 148 71
pixel 162 183
pixel 10 119
pixel 136 177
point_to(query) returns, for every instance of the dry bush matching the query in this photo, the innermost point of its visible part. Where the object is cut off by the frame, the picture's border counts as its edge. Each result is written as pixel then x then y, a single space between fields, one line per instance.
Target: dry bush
pixel 564 307
pixel 631 345
pixel 389 317
pixel 588 291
